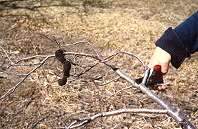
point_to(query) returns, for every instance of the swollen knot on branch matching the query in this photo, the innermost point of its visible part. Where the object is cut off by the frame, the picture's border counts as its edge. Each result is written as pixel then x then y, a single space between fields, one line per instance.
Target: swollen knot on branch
pixel 66 66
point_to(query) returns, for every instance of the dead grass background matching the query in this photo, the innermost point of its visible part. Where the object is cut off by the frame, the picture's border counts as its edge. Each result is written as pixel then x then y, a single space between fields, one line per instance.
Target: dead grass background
pixel 110 25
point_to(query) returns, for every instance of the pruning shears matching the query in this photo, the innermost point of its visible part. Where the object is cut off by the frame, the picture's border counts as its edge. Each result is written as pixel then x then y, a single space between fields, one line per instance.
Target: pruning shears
pixel 153 78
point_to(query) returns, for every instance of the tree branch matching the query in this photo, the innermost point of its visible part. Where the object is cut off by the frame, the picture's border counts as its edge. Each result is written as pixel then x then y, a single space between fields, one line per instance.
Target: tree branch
pixel 10 91
pixel 167 109
pixel 81 121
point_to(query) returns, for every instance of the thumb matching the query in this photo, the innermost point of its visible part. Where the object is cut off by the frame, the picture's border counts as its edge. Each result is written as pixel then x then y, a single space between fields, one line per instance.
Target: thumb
pixel 164 67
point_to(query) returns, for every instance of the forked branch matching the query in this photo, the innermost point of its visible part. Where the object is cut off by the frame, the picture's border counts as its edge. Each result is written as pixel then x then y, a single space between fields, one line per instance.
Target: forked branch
pixel 167 109
pixel 175 114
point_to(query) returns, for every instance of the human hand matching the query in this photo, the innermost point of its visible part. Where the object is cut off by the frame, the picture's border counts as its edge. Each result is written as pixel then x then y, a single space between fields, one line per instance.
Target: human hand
pixel 163 58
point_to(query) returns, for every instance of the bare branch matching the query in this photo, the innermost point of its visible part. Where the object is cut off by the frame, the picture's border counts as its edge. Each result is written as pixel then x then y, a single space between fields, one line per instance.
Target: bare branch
pixel 6 54
pixel 5 60
pixel 167 109
pixel 175 114
pixel 133 55
pixel 82 121
pixel 10 91
pixel 80 43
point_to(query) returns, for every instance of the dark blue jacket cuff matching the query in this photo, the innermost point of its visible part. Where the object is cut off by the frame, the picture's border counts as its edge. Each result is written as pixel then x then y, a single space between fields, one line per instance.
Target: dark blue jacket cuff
pixel 171 43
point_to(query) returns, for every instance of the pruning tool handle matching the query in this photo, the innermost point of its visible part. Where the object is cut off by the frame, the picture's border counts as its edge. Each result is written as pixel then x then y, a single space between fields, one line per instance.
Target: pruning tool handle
pixel 157 77
pixel 153 78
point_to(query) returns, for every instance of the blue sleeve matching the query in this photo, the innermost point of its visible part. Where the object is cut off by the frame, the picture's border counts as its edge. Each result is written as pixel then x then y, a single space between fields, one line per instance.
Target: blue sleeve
pixel 182 41
pixel 188 33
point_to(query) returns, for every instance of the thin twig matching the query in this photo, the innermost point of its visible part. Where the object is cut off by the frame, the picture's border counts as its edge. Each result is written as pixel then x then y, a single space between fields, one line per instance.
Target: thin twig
pixel 82 121
pixel 5 60
pixel 167 108
pixel 10 91
pixel 6 54
pixel 133 55
pixel 80 43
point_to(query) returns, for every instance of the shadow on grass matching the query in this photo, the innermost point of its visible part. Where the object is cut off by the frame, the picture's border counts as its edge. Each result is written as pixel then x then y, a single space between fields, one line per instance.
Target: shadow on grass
pixel 13 4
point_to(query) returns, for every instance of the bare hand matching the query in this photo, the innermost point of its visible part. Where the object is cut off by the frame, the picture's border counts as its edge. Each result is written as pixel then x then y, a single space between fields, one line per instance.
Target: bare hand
pixel 163 58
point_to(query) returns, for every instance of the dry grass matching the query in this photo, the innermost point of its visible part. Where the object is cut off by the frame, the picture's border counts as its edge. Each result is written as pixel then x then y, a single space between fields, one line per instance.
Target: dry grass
pixel 112 25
